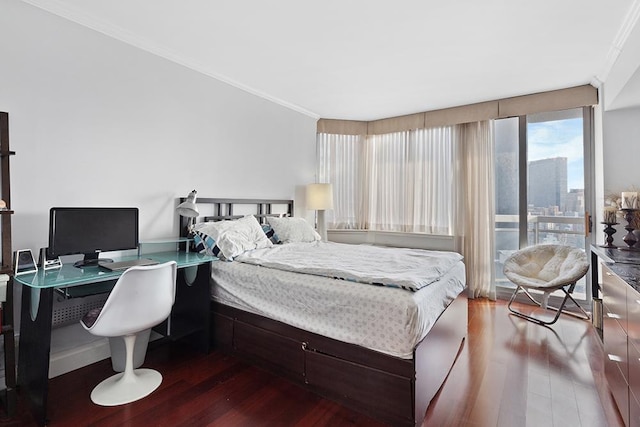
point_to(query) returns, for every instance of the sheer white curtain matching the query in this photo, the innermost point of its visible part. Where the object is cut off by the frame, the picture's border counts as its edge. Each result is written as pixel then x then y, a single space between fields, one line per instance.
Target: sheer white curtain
pixel 412 177
pixel 401 181
pixel 476 205
pixel 431 175
pixel 340 161
pixel 387 158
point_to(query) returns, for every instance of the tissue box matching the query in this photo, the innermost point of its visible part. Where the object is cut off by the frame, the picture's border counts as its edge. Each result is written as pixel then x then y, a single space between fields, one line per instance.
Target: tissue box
pixel 4 278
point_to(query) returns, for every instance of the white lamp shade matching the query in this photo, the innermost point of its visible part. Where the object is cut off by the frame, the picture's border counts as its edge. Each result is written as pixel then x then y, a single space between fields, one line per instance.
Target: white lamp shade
pixel 319 196
pixel 188 208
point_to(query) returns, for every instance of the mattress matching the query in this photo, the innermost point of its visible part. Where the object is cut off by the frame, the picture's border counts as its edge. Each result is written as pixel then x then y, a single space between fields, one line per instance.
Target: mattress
pixel 389 320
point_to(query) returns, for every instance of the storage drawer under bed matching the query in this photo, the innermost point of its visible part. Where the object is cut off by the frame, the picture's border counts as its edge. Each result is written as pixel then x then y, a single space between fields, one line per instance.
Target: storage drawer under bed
pixel 359 385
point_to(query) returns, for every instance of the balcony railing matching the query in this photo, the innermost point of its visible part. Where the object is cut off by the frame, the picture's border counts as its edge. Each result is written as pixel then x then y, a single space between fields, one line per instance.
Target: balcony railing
pixel 572 226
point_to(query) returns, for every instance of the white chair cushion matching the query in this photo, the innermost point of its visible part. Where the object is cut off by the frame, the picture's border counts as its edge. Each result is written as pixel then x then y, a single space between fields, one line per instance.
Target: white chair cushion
pixel 546 266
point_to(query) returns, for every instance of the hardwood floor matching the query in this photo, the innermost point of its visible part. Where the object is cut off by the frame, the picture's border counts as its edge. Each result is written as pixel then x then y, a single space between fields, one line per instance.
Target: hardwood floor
pixel 515 373
pixel 510 372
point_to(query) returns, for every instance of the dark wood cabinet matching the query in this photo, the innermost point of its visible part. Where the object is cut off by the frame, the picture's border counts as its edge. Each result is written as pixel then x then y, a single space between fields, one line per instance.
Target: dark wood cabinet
pixel 9 393
pixel 621 337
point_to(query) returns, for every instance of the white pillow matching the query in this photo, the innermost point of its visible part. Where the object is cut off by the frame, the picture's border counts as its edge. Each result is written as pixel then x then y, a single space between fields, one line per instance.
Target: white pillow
pixel 291 230
pixel 237 236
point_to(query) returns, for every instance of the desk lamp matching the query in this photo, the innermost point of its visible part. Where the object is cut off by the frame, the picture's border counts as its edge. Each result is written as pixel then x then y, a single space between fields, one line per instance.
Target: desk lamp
pixel 189 209
pixel 320 198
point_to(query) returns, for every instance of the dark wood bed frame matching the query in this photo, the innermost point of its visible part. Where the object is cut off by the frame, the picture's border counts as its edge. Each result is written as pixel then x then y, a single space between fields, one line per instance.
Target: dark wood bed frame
pixel 393 390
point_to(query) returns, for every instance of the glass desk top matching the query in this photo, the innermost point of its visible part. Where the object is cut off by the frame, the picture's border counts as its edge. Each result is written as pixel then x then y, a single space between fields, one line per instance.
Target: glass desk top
pixel 68 275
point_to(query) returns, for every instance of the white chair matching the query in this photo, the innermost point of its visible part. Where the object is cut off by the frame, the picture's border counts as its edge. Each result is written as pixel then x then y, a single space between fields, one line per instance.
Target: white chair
pixel 141 298
pixel 546 268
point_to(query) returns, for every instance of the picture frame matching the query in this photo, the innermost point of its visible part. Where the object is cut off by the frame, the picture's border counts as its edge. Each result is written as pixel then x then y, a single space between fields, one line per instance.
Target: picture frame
pixel 24 262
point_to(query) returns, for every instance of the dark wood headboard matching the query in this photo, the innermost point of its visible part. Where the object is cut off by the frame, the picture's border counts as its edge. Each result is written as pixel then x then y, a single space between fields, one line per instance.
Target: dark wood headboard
pixel 228 209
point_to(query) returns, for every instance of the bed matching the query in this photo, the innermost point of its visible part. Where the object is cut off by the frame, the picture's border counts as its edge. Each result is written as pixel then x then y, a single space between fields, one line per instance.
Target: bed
pixel 364 360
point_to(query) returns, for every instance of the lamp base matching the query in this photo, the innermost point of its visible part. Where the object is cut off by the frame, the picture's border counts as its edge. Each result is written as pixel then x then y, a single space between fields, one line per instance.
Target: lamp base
pixel 322 226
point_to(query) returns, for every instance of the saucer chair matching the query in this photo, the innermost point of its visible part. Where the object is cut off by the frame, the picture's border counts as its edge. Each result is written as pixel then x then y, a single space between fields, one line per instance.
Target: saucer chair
pixel 546 268
pixel 141 298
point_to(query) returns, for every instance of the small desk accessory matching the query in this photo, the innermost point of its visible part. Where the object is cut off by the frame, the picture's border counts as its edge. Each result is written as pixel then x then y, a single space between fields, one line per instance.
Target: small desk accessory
pixel 24 262
pixel 46 262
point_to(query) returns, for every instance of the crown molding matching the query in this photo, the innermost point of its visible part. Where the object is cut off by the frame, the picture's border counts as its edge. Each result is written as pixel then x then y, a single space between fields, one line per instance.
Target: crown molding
pixel 60 9
pixel 628 24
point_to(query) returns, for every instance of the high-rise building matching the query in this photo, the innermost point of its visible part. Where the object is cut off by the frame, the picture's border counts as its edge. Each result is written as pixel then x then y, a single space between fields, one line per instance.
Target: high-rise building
pixel 548 183
pixel 575 200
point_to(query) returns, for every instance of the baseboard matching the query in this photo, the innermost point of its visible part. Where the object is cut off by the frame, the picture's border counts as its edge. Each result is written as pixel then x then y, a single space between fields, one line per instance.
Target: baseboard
pixel 72 347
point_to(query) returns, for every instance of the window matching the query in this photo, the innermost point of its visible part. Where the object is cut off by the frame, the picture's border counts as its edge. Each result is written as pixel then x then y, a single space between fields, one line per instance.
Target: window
pixel 402 181
pixel 540 183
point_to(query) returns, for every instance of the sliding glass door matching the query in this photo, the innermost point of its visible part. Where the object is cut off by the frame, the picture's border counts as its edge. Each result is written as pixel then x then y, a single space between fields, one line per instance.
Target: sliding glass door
pixel 541 191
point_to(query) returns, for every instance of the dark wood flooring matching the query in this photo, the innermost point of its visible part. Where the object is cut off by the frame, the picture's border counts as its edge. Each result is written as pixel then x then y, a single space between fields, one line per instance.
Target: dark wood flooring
pixel 510 372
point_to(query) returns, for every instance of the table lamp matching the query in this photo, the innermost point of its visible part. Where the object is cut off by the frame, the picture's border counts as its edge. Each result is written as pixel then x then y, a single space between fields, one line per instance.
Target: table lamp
pixel 189 209
pixel 320 198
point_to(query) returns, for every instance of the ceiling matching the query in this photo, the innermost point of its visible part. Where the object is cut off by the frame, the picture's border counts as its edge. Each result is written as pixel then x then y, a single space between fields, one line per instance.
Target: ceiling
pixel 371 59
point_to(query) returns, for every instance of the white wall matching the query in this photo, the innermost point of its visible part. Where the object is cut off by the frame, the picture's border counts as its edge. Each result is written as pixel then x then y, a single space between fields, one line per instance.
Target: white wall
pixel 620 120
pixel 96 122
pixel 621 154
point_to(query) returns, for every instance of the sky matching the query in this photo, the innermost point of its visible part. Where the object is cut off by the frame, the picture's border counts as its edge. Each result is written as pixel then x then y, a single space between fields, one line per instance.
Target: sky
pixel 559 138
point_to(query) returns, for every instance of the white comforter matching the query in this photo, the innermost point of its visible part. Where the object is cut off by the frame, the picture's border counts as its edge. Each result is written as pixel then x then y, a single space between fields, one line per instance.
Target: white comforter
pixel 388 320
pixel 410 269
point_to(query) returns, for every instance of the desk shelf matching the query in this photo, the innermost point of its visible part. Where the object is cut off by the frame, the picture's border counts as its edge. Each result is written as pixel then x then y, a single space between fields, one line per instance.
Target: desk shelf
pixel 167 244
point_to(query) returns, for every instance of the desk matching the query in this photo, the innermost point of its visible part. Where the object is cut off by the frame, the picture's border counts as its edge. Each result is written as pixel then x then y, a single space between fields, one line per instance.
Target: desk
pixel 189 316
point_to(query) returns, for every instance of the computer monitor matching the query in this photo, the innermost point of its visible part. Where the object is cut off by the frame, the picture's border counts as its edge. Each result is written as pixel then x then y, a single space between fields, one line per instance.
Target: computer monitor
pixel 89 231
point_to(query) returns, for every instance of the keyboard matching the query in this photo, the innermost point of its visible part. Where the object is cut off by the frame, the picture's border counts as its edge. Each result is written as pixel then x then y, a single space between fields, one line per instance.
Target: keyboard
pixel 123 265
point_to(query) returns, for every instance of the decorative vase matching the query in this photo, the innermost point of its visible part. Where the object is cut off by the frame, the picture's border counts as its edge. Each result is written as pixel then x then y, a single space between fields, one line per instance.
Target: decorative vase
pixel 629 238
pixel 609 231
